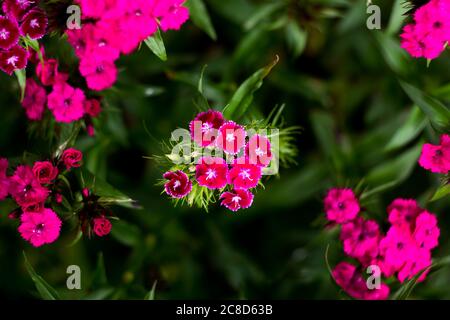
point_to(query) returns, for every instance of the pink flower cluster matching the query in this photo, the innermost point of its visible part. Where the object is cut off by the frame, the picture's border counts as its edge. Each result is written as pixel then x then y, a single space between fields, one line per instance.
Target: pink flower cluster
pixel 31 188
pixel 21 18
pixel 436 158
pixel 428 35
pixel 210 130
pixel 66 103
pixel 404 251
pixel 115 27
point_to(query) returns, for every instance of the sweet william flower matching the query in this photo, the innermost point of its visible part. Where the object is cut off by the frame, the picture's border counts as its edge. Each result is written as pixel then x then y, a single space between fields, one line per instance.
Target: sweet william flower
pixel 436 158
pixel 427 231
pixel 66 103
pixel 178 185
pixel 92 107
pixel 100 74
pixel 13 59
pixel 72 158
pixel 26 189
pixel 231 137
pixel 243 175
pixel 17 8
pixel 34 24
pixel 237 199
pixel 211 172
pixel 205 127
pixel 40 228
pixel 34 100
pixel 403 212
pixel 258 150
pixel 47 72
pixel 419 261
pixel 45 172
pixel 341 205
pixel 9 33
pixel 102 226
pixel 4 180
pixel 171 13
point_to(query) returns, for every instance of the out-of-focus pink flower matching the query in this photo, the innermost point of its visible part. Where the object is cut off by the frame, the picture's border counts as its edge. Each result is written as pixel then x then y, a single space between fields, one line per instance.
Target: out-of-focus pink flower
pixel 26 189
pixel 436 158
pixel 178 185
pixel 40 228
pixel 341 205
pixel 72 158
pixel 403 212
pixel 34 100
pixel 237 199
pixel 4 180
pixel 45 172
pixel 66 103
pixel 427 231
pixel 171 13
pixel 100 73
pixel 13 59
pixel 92 107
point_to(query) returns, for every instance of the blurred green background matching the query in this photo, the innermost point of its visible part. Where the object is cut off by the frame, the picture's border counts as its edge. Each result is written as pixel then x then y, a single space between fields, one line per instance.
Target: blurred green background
pixel 340 83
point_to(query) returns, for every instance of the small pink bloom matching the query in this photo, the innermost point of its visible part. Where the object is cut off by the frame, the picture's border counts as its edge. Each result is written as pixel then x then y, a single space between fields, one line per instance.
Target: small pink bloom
pixel 427 231
pixel 13 59
pixel 212 172
pixel 92 107
pixel 396 249
pixel 341 205
pixel 9 33
pixel 171 13
pixel 100 74
pixel 34 24
pixel 45 172
pixel 102 226
pixel 4 180
pixel 237 199
pixel 17 8
pixel 47 71
pixel 231 138
pixel 179 184
pixel 244 175
pixel 205 126
pixel 361 239
pixel 40 228
pixel 66 103
pixel 34 100
pixel 72 158
pixel 26 189
pixel 436 158
pixel 419 260
pixel 259 151
pixel 403 212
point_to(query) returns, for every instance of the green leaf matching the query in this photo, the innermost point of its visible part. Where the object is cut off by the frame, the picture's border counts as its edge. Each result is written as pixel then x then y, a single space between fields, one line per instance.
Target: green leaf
pixel 243 97
pixel 296 38
pixel 200 17
pixel 436 111
pixel 22 79
pixel 262 13
pixel 45 290
pixel 413 126
pixel 68 136
pixel 151 294
pixel 126 233
pixel 398 13
pixel 441 192
pixel 396 57
pixel 99 279
pixel 156 44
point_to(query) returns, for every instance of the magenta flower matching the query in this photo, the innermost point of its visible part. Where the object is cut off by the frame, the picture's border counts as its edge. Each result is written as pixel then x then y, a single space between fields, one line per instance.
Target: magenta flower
pixel 361 238
pixel 100 44
pixel 13 59
pixel 427 231
pixel 139 19
pixel 40 228
pixel 205 126
pixel 100 74
pixel 179 184
pixel 352 282
pixel 243 175
pixel 45 172
pixel 93 9
pixel 26 189
pixel 4 180
pixel 66 103
pixel 17 8
pixel 171 13
pixel 102 226
pixel 419 260
pixel 34 24
pixel 211 172
pixel 72 158
pixel 47 72
pixel 79 38
pixel 403 212
pixel 436 158
pixel 396 248
pixel 92 107
pixel 34 100
pixel 341 205
pixel 259 151
pixel 231 137
pixel 237 199
pixel 9 33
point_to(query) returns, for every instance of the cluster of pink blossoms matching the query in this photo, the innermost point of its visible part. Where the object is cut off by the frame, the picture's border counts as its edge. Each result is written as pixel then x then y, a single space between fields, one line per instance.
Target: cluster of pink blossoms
pixel 404 251
pixel 114 27
pixel 210 130
pixel 436 158
pixel 37 190
pixel 429 34
pixel 52 90
pixel 20 18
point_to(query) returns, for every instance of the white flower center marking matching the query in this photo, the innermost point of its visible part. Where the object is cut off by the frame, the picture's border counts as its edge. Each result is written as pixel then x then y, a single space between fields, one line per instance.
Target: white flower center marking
pixel 210 174
pixel 259 152
pixel 4 34
pixel 230 137
pixel 34 23
pixel 176 184
pixel 245 174
pixel 206 127
pixel 236 199
pixel 12 61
